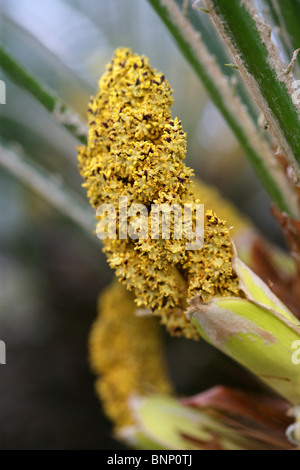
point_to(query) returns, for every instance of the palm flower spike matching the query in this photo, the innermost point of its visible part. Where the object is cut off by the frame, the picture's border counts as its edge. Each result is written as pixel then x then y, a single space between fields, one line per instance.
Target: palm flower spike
pixel 136 150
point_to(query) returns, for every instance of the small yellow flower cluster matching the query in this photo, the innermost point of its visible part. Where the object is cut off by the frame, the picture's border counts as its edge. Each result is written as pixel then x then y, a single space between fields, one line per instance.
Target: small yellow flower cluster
pixel 136 149
pixel 126 354
pixel 210 269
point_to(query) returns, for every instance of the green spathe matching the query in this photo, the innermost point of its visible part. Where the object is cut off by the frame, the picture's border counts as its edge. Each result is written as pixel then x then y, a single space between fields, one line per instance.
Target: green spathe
pixel 257 291
pixel 258 331
pixel 254 337
pixel 162 422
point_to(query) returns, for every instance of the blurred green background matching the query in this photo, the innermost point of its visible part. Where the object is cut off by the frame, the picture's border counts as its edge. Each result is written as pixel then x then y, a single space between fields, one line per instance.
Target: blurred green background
pixel 51 272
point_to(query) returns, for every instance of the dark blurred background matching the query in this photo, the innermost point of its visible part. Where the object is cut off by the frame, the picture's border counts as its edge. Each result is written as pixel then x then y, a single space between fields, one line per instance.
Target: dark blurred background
pixel 51 272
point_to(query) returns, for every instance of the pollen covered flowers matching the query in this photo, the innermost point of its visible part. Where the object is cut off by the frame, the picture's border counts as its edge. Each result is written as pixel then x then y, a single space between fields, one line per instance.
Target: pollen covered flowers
pixel 136 149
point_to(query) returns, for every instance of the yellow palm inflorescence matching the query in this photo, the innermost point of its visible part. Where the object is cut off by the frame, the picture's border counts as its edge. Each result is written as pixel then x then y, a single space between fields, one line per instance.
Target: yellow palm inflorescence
pixel 126 355
pixel 136 149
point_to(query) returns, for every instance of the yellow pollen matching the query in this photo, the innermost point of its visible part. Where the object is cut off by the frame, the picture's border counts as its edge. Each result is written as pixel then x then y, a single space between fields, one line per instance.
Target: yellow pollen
pixel 137 149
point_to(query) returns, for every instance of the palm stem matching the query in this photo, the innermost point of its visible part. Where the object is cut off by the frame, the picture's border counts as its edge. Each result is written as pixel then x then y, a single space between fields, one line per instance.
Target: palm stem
pixel 59 110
